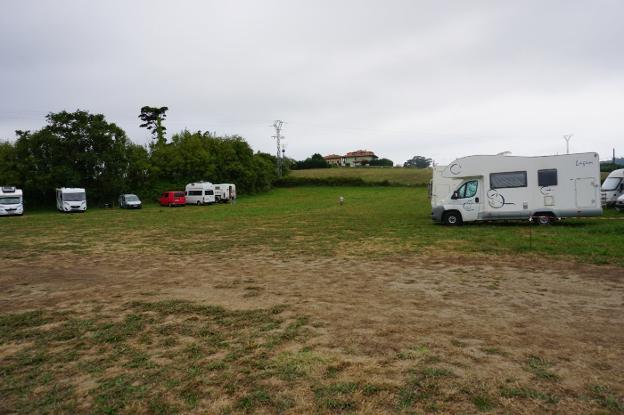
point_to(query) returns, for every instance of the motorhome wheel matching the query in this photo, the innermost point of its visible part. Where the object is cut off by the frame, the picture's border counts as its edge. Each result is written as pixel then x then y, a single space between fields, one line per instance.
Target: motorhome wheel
pixel 198 203
pixel 452 219
pixel 543 220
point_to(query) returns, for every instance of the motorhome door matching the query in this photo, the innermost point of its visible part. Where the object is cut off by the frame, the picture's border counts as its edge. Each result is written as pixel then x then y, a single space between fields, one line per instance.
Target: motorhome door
pixel 586 192
pixel 468 199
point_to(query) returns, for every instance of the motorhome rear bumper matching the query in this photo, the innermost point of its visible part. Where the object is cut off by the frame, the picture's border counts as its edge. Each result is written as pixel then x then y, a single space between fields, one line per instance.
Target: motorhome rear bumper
pixel 436 213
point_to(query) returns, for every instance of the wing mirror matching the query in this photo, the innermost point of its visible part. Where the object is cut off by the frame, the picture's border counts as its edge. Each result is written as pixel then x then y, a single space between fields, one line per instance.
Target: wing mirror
pixel 455 195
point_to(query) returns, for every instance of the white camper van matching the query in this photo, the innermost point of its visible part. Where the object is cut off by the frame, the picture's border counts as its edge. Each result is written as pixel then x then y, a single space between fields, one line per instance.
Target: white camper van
pixel 613 187
pixel 11 201
pixel 482 188
pixel 71 199
pixel 225 192
pixel 200 193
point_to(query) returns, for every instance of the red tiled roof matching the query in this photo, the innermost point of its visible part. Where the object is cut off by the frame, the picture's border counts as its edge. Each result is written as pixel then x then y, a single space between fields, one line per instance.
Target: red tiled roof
pixel 360 153
pixel 332 156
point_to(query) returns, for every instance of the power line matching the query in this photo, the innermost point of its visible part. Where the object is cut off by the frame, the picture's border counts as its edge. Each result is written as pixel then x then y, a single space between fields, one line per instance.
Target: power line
pixel 277 124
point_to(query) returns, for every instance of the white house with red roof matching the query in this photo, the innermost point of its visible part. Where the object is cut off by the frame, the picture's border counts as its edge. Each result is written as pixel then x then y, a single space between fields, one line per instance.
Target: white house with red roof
pixel 352 159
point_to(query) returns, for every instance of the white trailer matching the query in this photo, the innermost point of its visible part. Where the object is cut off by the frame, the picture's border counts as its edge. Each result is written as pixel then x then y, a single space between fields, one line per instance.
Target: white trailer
pixel 200 193
pixel 11 201
pixel 501 187
pixel 613 187
pixel 71 199
pixel 225 192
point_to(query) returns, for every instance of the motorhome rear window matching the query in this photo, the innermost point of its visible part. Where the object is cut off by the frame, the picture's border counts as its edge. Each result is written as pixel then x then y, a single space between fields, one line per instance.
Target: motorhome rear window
pixel 209 192
pixel 508 180
pixel 194 192
pixel 547 177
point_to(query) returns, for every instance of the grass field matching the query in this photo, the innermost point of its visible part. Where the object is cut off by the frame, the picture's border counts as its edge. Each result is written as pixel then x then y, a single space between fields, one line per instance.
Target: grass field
pixel 287 302
pixel 395 175
pixel 378 221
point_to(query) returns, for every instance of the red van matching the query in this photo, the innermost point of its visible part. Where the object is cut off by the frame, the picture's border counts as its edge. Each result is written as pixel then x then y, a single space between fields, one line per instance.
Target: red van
pixel 172 199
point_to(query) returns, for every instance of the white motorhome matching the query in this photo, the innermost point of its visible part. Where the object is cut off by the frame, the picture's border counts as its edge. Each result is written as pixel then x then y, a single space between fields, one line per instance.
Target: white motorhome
pixel 613 187
pixel 11 201
pixel 493 187
pixel 200 193
pixel 225 192
pixel 71 199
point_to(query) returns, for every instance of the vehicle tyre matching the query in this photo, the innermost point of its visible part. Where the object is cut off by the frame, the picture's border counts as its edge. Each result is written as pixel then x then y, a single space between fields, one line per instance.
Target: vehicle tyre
pixel 198 203
pixel 169 204
pixel 452 219
pixel 543 220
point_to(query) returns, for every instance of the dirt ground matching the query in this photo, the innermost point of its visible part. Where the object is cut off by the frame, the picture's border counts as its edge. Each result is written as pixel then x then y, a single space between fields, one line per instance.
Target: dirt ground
pixel 498 327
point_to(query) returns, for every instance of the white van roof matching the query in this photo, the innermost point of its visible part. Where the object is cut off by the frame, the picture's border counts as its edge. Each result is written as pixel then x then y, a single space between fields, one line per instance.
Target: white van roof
pixel 199 184
pixel 71 190
pixel 617 173
pixel 10 191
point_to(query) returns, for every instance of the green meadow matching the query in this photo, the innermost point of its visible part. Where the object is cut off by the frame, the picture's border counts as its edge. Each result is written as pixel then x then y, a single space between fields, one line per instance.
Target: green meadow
pixel 374 221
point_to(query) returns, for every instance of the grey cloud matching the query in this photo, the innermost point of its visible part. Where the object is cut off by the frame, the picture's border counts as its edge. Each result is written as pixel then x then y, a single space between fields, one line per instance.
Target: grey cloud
pixel 439 78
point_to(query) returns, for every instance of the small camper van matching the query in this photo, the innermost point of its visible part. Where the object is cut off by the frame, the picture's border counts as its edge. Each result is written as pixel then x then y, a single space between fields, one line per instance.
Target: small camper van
pixel 613 187
pixel 172 198
pixel 502 187
pixel 70 199
pixel 224 192
pixel 200 193
pixel 11 201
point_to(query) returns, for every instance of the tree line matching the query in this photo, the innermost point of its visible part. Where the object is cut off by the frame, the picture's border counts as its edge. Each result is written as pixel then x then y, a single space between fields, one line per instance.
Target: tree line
pixel 80 149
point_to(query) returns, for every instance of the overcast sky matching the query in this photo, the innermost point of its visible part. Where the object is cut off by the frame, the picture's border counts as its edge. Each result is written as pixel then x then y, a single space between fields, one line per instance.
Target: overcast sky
pixel 442 79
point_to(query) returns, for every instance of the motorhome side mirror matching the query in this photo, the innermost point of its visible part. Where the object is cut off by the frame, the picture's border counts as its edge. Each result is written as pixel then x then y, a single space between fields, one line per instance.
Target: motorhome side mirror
pixel 622 187
pixel 455 195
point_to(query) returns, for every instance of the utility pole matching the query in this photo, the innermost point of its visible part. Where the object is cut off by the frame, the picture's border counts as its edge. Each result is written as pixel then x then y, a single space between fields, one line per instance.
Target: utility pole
pixel 277 124
pixel 567 138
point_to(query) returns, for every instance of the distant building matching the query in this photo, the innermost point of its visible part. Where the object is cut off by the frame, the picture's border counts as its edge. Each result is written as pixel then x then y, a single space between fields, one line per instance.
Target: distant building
pixel 352 159
pixel 355 158
pixel 334 160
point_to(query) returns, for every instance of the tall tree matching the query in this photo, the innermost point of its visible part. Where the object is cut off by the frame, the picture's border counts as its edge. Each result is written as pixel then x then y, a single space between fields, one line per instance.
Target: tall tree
pixel 8 164
pixel 75 149
pixel 419 162
pixel 153 118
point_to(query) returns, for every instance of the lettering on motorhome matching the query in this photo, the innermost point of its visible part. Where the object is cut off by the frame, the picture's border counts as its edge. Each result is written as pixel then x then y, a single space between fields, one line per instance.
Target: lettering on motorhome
pixel 584 163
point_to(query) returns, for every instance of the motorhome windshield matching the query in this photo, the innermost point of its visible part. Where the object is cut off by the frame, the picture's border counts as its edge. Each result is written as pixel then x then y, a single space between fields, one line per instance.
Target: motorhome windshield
pixel 74 197
pixel 131 198
pixel 611 183
pixel 10 200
